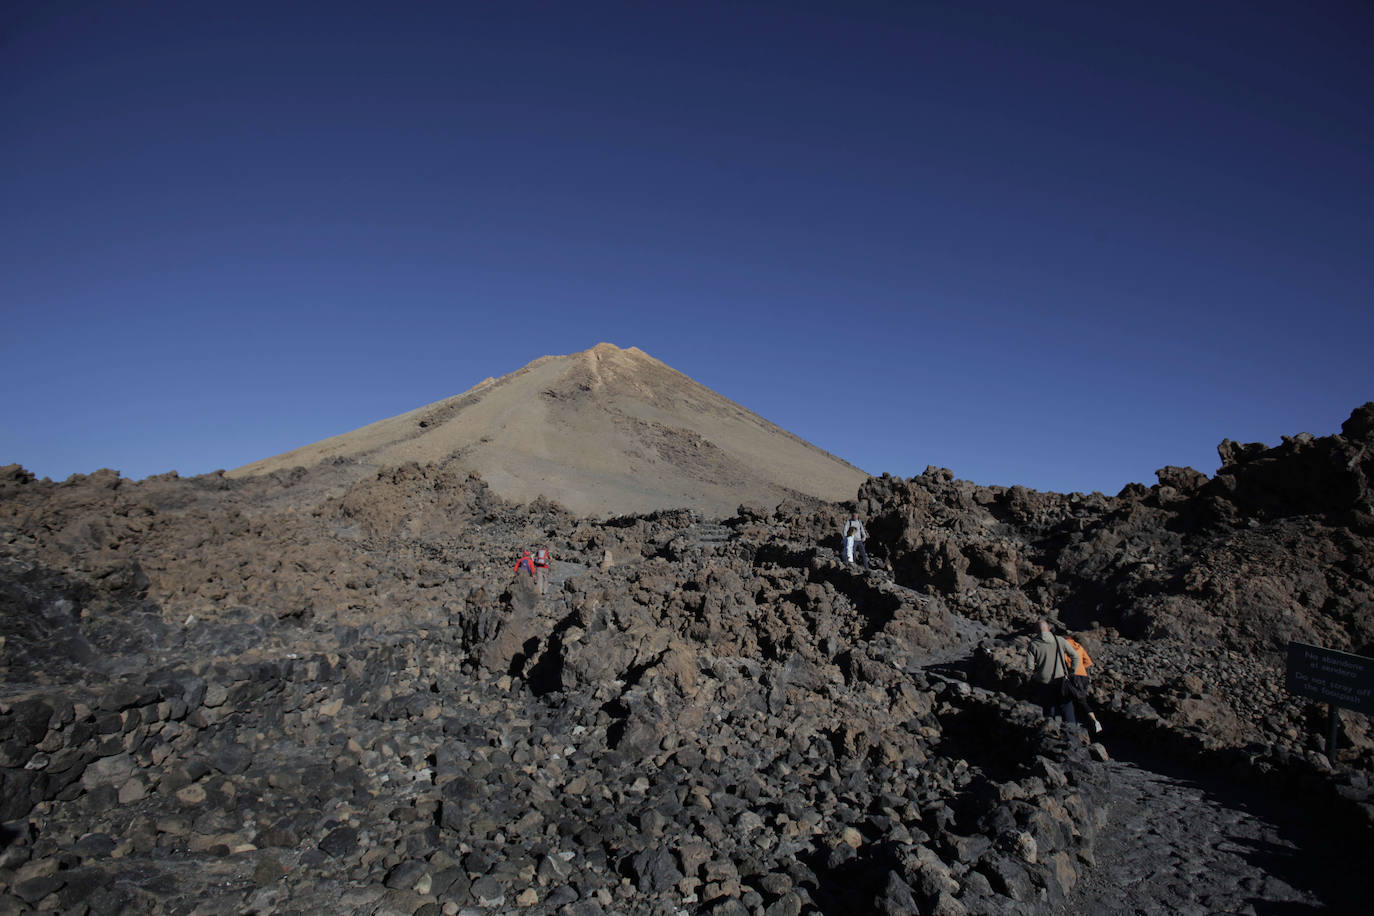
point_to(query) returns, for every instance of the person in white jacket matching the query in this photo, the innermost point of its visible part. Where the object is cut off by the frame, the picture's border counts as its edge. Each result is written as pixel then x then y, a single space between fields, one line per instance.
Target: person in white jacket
pixel 854 549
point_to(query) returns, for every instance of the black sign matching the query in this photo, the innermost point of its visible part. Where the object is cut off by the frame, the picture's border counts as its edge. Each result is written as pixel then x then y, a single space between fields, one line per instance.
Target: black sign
pixel 1330 676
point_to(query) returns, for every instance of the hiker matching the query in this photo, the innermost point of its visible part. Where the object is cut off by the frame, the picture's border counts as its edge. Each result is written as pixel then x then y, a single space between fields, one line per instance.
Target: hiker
pixel 1050 673
pixel 854 535
pixel 542 559
pixel 526 561
pixel 1080 683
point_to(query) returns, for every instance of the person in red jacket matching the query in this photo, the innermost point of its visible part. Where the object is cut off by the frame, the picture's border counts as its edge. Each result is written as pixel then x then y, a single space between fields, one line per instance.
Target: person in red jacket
pixel 526 561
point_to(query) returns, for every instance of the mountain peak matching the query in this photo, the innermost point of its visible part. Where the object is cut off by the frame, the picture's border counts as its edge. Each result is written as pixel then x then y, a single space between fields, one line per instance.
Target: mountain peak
pixel 606 431
pixel 604 348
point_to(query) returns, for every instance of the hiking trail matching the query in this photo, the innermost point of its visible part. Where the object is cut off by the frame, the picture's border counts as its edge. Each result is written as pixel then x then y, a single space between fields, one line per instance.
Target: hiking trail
pixel 1184 840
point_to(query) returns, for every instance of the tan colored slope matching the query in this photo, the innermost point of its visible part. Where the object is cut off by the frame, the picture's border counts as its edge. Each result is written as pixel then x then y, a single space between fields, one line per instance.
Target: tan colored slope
pixel 603 432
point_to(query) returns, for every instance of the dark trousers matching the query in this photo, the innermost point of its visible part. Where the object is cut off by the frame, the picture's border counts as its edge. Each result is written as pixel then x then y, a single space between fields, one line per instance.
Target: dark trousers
pixel 1085 712
pixel 1053 703
pixel 860 554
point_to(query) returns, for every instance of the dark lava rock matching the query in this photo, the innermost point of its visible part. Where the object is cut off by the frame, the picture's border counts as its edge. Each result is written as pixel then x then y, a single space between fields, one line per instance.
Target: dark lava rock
pixel 340 842
pixel 233 759
pixel 655 870
pixel 303 697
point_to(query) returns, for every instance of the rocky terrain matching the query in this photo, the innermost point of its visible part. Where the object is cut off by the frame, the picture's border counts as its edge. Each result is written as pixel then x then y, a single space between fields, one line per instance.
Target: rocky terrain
pixel 300 693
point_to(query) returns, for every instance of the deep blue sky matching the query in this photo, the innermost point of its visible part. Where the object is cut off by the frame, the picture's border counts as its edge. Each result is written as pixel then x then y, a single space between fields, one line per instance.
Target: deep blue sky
pixel 1054 244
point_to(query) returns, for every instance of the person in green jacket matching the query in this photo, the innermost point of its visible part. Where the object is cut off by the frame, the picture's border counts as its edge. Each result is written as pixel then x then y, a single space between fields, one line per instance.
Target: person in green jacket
pixel 1049 670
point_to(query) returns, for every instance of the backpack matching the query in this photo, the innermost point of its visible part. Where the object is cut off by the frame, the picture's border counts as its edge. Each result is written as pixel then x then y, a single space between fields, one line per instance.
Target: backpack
pixel 1082 654
pixel 541 556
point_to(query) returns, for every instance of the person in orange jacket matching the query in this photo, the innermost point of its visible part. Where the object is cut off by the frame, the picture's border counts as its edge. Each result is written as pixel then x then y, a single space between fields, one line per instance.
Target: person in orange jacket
pixel 526 561
pixel 1079 664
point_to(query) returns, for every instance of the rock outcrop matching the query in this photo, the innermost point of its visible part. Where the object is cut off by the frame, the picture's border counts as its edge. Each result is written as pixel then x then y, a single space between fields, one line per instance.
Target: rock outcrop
pixel 1189 590
pixel 211 702
pixel 283 694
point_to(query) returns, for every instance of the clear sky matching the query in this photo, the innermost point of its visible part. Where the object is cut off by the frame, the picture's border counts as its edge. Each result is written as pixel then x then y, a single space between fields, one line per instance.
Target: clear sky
pixel 1053 244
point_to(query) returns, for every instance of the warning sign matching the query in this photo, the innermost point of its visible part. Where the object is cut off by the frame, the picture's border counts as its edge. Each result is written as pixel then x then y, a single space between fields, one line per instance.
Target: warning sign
pixel 1331 676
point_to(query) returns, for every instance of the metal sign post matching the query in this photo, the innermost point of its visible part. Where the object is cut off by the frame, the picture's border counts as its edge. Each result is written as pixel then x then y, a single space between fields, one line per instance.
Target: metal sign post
pixel 1339 679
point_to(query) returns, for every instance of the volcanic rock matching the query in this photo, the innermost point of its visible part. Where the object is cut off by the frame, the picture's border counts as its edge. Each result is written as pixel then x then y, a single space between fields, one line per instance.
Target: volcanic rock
pixel 301 698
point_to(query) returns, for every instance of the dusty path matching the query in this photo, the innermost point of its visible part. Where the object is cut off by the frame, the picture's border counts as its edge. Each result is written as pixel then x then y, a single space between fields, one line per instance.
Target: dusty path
pixel 1182 842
